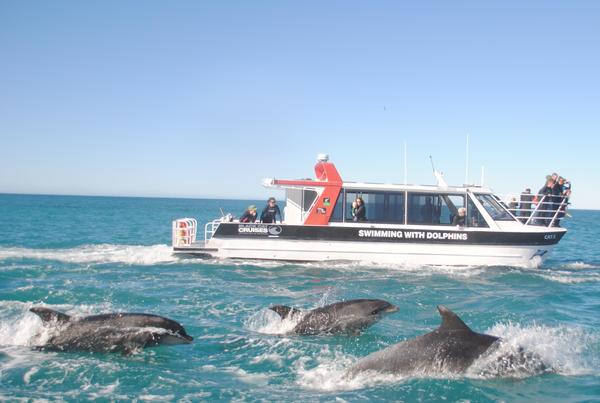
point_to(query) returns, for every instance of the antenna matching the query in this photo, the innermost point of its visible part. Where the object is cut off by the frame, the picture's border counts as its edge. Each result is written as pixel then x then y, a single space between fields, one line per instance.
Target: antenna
pixel 438 175
pixel 482 174
pixel 405 164
pixel 467 162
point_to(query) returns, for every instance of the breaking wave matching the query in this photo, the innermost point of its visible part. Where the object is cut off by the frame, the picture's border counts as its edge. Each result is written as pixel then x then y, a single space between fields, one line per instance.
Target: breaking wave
pixel 96 254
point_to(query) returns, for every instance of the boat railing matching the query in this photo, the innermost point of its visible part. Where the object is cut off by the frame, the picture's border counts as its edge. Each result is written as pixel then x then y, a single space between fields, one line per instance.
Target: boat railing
pixel 184 232
pixel 537 209
pixel 210 228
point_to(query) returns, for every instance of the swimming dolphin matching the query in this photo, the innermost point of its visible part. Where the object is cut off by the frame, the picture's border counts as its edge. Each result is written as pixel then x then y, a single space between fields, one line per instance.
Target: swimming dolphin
pixel 342 317
pixel 451 348
pixel 113 332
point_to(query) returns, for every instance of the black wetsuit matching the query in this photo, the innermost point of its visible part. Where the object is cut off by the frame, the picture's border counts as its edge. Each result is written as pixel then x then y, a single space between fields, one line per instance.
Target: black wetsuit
pixel 247 217
pixel 458 220
pixel 525 205
pixel 269 214
pixel 360 213
pixel 547 203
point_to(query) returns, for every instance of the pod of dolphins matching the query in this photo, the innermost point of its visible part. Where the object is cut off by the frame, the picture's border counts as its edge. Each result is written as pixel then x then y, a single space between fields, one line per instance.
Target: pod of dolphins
pixel 451 348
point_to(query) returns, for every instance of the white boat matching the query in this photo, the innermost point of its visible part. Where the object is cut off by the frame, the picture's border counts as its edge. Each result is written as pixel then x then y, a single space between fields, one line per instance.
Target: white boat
pixel 405 224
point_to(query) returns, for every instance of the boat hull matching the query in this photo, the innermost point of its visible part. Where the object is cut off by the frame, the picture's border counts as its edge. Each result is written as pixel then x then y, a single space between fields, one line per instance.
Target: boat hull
pixel 404 246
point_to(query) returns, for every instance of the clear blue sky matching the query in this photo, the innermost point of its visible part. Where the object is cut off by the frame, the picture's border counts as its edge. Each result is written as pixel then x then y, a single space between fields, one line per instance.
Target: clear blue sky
pixel 204 99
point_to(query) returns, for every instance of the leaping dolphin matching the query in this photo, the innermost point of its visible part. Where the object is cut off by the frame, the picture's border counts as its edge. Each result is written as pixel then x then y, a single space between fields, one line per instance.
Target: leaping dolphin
pixel 451 348
pixel 113 332
pixel 342 317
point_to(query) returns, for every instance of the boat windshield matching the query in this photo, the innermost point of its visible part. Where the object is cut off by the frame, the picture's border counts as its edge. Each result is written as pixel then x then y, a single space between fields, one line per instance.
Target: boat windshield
pixel 494 209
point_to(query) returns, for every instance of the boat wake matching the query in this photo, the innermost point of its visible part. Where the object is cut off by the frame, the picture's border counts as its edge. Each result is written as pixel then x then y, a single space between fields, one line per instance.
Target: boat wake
pixel 96 254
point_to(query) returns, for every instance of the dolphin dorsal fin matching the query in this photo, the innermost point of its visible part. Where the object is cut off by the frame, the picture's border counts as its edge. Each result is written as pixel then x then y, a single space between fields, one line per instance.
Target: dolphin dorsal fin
pixel 284 311
pixel 48 315
pixel 450 320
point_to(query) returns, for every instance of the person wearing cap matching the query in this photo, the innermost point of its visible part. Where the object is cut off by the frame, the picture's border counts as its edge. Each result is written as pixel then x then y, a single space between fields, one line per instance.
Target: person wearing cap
pixel 270 212
pixel 249 215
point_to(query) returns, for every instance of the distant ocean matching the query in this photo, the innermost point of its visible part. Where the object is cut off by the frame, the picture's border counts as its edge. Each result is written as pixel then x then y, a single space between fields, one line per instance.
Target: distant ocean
pixel 91 255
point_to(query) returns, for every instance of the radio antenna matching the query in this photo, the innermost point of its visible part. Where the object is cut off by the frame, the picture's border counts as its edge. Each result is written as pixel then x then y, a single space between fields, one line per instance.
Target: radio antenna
pixel 467 163
pixel 438 175
pixel 405 164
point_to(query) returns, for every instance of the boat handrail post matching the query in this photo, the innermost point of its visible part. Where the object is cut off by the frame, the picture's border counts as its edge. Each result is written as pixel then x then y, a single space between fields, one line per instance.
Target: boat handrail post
pixel 209 229
pixel 558 210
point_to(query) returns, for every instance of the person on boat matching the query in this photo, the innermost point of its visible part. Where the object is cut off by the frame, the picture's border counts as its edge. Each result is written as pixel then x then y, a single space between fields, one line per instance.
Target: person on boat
pixel 460 218
pixel 512 206
pixel 360 212
pixel 270 212
pixel 561 198
pixel 525 203
pixel 249 215
pixel 545 201
pixel 427 211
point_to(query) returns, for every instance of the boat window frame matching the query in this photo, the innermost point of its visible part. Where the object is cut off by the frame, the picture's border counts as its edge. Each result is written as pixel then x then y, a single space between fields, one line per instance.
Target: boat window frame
pixel 443 195
pixel 344 192
pixel 506 216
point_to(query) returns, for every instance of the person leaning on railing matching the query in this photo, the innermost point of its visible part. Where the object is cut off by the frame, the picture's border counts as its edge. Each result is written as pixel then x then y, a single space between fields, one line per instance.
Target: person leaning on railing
pixel 545 201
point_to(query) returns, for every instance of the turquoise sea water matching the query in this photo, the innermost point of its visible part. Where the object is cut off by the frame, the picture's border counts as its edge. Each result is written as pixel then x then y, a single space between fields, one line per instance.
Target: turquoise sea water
pixel 90 255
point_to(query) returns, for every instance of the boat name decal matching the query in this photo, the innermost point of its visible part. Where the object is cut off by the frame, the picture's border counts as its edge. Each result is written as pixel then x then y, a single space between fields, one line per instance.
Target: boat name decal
pixel 385 233
pixel 253 229
pixel 271 230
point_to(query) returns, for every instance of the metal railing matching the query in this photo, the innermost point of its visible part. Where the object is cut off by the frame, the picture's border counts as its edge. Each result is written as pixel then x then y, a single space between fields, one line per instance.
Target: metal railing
pixel 210 228
pixel 538 209
pixel 184 232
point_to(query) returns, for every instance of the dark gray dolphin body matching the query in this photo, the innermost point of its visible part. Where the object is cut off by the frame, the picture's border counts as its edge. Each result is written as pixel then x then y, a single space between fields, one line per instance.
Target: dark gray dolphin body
pixel 113 332
pixel 451 348
pixel 342 317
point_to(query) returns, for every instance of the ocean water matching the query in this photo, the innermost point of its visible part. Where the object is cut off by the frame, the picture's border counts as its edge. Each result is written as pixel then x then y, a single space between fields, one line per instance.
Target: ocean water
pixel 91 255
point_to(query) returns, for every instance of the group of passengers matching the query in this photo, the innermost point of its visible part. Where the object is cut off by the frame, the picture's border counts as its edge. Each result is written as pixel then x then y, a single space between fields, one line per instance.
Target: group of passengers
pixel 268 216
pixel 553 196
pixel 271 212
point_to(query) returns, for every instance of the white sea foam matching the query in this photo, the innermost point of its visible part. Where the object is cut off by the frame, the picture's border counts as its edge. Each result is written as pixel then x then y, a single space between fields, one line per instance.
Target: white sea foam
pixel 267 321
pixel 570 277
pixel 96 254
pixel 564 350
pixel 580 266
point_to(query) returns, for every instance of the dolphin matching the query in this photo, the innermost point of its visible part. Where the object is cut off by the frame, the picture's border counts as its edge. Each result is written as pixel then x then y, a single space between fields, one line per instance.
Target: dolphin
pixel 451 348
pixel 113 332
pixel 350 316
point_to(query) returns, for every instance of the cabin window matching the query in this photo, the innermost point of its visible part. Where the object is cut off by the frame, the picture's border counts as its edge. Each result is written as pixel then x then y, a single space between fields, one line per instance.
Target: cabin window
pixel 338 209
pixel 474 217
pixel 433 208
pixel 381 207
pixel 494 209
pixel 308 197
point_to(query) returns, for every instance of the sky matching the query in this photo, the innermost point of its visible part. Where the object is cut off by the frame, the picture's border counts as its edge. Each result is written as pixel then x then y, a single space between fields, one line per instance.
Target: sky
pixel 204 99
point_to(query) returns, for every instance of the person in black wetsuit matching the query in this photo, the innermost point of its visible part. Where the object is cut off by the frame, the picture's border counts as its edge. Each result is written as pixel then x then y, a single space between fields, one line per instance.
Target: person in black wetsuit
pixel 546 199
pixel 249 215
pixel 427 211
pixel 460 217
pixel 360 212
pixel 270 212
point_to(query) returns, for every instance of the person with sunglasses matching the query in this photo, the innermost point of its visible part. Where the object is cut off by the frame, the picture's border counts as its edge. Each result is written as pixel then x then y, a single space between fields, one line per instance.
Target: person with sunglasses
pixel 270 212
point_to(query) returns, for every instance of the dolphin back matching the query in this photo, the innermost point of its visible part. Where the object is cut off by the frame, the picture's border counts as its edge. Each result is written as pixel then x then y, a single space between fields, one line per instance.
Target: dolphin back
pixel 49 315
pixel 451 348
pixel 284 311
